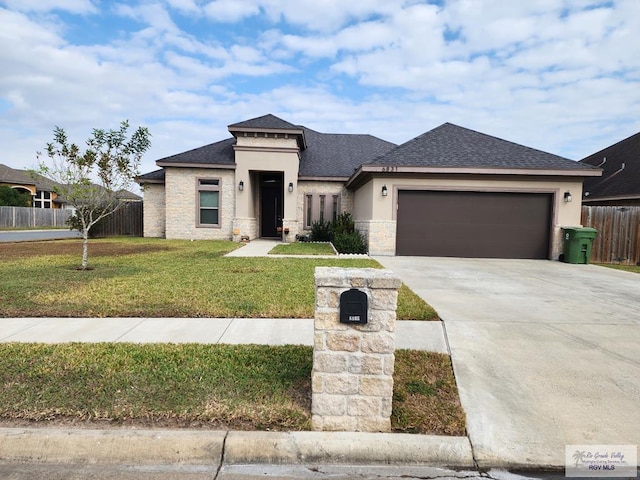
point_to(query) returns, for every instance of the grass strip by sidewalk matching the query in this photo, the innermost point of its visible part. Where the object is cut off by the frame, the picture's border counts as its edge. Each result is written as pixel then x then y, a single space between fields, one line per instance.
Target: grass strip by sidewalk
pixel 142 277
pixel 303 248
pixel 242 387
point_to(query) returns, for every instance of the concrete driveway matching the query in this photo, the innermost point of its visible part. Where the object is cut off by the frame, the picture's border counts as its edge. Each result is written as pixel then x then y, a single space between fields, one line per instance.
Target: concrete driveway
pixel 545 354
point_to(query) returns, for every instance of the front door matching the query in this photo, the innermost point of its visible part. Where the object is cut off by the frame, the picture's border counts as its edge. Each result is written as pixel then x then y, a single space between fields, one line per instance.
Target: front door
pixel 271 204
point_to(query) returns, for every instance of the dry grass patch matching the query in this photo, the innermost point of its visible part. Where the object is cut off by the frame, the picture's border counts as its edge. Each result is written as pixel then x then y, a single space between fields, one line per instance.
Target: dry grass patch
pixel 243 387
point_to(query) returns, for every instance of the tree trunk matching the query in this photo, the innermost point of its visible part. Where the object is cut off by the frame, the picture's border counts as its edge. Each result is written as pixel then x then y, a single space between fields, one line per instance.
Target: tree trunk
pixel 85 248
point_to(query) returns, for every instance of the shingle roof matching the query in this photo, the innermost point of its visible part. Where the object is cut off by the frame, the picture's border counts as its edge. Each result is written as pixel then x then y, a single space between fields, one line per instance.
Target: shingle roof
pixel 219 153
pixel 338 155
pixel 326 155
pixel 616 181
pixel 156 175
pixel 266 121
pixel 456 147
pixel 14 175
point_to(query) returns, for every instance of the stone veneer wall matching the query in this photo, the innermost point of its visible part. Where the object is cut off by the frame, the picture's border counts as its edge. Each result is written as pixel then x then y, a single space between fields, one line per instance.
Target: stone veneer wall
pixel 154 210
pixel 246 227
pixel 352 379
pixel 181 204
pixel 380 236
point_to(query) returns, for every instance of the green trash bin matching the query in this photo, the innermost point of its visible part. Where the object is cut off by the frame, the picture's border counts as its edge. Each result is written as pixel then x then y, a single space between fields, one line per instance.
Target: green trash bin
pixel 577 244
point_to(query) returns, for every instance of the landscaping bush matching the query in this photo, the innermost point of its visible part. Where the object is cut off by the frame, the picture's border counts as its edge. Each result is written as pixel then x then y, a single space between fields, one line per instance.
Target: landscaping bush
pixel 352 242
pixel 341 232
pixel 321 231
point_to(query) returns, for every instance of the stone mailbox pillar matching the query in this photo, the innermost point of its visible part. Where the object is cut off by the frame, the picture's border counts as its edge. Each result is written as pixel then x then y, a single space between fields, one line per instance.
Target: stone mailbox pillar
pixel 352 380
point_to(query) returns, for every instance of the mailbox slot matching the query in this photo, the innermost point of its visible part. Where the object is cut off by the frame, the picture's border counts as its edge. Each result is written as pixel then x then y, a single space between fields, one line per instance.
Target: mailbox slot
pixel 354 306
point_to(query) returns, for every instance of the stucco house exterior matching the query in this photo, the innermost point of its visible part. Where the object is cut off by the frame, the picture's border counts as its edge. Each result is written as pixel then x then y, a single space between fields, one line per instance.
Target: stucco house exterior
pixel 40 188
pixel 449 192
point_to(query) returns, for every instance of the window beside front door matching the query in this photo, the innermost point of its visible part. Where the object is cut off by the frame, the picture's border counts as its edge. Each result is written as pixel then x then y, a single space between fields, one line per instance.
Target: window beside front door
pixel 208 202
pixel 321 207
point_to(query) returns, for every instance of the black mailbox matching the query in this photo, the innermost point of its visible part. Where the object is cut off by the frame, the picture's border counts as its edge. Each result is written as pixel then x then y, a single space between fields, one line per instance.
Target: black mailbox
pixel 353 306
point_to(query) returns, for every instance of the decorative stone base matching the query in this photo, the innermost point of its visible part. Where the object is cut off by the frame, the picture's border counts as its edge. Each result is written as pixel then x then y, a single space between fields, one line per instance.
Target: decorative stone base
pixel 292 227
pixel 380 236
pixel 244 227
pixel 352 380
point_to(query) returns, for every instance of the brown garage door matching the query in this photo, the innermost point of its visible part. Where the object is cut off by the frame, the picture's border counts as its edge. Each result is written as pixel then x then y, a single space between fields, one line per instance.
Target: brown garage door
pixel 473 224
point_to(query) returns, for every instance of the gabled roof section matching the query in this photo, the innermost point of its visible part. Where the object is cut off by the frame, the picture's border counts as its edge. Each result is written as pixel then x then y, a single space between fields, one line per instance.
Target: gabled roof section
pixel 269 125
pixel 339 155
pixel 620 163
pixel 219 154
pixel 451 146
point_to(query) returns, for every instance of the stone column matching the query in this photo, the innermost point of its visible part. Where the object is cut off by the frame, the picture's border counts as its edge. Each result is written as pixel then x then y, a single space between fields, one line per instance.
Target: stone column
pixel 352 379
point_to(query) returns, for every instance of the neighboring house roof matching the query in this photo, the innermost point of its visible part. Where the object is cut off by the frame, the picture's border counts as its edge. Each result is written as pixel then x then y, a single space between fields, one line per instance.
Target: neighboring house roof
pixel 338 155
pixel 620 163
pixel 24 177
pixel 457 147
pixel 128 196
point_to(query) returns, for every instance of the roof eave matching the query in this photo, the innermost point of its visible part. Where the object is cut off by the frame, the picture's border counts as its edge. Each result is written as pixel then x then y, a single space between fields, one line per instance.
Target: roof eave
pixel 592 198
pixel 366 171
pixel 297 132
pixel 226 166
pixel 312 178
pixel 142 181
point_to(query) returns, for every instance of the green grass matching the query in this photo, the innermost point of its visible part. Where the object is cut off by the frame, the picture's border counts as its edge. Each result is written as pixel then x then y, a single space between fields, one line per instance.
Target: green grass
pixel 626 268
pixel 139 277
pixel 216 386
pixel 303 248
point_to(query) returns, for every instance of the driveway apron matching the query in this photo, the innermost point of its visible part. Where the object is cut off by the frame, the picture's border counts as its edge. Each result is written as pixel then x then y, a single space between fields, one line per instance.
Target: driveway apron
pixel 545 354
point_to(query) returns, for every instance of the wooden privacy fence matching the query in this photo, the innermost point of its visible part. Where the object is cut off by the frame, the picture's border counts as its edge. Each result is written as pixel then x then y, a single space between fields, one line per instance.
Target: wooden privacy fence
pixel 618 238
pixel 28 217
pixel 126 221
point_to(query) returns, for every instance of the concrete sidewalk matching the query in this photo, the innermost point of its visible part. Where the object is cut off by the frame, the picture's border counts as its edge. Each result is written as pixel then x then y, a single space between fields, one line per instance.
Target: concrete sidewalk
pixel 415 335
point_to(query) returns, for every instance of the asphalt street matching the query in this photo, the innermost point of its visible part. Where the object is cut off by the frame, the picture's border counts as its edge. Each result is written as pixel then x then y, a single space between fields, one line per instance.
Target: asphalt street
pixel 35 235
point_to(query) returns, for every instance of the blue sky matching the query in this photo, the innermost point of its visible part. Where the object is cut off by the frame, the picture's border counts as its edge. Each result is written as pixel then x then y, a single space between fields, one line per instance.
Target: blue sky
pixel 558 75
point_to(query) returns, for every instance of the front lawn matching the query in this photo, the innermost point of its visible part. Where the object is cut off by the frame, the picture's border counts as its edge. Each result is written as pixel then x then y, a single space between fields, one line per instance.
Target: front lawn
pixel 142 277
pixel 241 387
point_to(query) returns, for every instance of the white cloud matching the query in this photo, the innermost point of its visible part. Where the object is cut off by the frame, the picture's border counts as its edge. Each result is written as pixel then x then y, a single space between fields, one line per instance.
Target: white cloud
pixel 73 6
pixel 558 75
pixel 231 10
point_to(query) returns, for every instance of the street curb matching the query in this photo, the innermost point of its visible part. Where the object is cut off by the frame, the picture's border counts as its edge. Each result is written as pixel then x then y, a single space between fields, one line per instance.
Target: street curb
pixel 111 446
pixel 197 447
pixel 347 448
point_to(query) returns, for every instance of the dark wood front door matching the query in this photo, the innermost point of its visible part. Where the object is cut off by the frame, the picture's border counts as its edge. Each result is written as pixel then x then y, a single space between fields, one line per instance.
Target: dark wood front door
pixel 271 204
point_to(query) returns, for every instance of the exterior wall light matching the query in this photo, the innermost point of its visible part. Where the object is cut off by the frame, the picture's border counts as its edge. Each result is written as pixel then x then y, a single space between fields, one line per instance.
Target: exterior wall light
pixel 567 196
pixel 385 192
pixel 291 186
pixel 241 185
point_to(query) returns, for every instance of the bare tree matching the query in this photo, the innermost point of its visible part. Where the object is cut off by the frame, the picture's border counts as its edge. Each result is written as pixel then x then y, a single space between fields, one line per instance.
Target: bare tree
pixel 90 180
